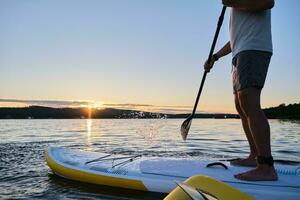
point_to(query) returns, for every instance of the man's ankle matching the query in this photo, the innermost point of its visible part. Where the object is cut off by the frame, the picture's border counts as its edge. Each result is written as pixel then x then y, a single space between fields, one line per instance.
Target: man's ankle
pixel 265 160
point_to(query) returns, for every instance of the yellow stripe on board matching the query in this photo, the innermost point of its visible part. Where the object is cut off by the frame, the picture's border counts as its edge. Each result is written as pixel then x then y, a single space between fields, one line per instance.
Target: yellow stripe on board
pixel 78 175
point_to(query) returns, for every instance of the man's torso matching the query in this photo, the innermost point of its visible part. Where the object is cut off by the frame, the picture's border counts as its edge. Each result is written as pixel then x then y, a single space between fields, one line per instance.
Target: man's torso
pixel 250 31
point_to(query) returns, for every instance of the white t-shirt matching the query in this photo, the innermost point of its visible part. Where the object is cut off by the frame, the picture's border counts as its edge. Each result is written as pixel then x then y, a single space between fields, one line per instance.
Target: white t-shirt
pixel 250 31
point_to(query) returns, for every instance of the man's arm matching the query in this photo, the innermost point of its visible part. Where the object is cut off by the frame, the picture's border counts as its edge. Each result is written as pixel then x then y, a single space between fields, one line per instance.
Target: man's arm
pixel 225 50
pixel 250 5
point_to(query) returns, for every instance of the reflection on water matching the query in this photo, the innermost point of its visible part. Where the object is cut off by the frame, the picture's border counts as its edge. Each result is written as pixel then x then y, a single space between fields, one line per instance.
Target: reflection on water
pixel 89 124
pixel 24 173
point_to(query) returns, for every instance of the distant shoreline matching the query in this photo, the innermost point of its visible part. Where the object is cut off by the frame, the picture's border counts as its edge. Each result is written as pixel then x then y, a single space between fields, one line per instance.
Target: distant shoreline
pixel 291 111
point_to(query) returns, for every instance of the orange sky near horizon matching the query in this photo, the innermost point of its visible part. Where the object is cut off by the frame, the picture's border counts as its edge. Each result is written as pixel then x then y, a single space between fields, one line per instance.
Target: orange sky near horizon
pixel 141 107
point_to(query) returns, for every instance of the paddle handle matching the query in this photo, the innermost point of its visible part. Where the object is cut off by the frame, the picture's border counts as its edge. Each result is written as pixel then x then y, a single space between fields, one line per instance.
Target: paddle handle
pixel 220 22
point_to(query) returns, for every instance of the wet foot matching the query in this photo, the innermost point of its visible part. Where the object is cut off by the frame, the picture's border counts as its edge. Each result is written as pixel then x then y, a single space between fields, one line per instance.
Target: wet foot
pixel 260 173
pixel 249 162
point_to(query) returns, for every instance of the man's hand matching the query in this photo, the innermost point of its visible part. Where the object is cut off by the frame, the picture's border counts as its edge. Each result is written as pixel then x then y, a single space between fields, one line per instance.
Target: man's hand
pixel 225 50
pixel 207 66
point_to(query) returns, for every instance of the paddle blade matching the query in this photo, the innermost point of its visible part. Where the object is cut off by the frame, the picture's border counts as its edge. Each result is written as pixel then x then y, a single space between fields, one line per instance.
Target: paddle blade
pixel 185 127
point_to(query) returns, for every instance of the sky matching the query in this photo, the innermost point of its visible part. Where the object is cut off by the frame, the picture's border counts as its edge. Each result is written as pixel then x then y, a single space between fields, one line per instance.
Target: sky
pixel 139 54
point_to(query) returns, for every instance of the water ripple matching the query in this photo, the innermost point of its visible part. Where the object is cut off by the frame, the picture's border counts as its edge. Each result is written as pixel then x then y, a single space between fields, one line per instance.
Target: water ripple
pixel 24 173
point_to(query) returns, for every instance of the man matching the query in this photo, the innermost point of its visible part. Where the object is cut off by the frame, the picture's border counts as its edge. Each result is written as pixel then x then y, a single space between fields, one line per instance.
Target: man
pixel 251 47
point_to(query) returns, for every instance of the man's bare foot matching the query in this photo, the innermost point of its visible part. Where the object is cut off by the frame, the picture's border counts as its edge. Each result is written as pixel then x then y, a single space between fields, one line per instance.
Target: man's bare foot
pixel 260 173
pixel 249 162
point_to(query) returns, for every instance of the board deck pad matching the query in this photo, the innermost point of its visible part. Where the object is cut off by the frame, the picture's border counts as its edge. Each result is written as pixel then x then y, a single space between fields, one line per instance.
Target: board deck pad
pixel 187 168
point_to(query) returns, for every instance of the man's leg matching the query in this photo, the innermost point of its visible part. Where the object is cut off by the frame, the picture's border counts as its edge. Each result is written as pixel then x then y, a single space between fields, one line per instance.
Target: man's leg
pixel 251 160
pixel 249 100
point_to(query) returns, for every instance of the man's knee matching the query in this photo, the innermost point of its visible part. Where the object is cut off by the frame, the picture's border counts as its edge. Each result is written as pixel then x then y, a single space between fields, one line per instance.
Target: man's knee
pixel 249 101
pixel 238 107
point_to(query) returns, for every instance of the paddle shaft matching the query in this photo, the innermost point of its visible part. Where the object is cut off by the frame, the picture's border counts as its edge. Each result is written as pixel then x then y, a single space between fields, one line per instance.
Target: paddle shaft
pixel 220 22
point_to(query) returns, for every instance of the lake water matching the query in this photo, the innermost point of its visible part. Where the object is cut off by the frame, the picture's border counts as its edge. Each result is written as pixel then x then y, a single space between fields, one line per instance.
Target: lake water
pixel 25 174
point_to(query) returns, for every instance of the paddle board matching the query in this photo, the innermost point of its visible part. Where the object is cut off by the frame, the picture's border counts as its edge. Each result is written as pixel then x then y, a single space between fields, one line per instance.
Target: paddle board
pixel 159 174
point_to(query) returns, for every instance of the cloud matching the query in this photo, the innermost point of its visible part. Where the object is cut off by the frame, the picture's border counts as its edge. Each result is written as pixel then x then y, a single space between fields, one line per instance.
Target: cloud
pixel 141 105
pixel 151 108
pixel 126 105
pixel 53 103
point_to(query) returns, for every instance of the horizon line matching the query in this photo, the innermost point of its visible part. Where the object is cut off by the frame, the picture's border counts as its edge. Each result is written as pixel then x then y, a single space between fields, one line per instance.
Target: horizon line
pixel 171 109
pixel 168 109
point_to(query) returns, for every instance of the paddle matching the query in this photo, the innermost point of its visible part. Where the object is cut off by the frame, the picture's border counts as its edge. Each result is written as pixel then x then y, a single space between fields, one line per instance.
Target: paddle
pixel 185 127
